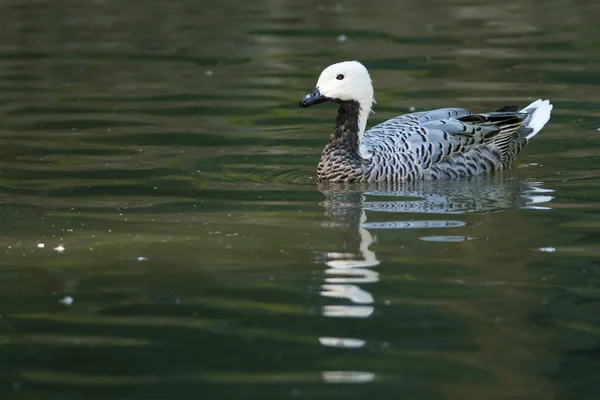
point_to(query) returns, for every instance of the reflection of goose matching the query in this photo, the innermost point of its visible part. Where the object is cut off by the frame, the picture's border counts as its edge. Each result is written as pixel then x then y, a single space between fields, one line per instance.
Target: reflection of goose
pixel 436 144
pixel 346 208
pixel 474 194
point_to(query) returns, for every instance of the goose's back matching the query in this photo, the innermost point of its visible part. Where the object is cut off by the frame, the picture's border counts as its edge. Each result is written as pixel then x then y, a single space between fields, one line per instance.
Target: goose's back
pixel 442 143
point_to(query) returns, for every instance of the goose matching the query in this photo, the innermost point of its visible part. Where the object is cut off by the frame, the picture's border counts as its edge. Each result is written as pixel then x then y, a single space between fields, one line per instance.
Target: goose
pixel 444 143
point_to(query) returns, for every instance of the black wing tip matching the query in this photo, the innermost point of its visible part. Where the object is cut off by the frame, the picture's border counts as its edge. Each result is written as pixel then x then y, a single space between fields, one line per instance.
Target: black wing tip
pixel 507 109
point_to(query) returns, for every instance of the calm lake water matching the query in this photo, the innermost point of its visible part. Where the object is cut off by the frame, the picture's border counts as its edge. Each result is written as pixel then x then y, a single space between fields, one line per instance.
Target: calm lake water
pixel 162 235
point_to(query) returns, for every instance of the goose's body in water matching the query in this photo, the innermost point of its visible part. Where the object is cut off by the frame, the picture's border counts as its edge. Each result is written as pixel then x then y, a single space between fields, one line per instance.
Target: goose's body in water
pixel 437 144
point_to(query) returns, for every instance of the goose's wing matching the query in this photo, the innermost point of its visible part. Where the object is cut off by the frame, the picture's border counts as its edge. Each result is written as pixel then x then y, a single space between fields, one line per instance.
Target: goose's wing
pixel 430 137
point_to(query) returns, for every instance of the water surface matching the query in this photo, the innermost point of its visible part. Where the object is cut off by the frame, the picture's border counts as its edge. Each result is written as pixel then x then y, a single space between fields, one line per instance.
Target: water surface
pixel 163 235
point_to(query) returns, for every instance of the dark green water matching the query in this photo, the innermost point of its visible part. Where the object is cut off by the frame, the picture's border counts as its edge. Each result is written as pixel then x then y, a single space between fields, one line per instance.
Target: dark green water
pixel 162 235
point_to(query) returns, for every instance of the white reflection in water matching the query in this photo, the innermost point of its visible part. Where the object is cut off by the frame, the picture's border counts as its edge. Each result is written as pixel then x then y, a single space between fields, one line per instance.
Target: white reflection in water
pixel 447 238
pixel 342 342
pixel 350 292
pixel 534 196
pixel 348 311
pixel 358 275
pixel 412 224
pixel 347 376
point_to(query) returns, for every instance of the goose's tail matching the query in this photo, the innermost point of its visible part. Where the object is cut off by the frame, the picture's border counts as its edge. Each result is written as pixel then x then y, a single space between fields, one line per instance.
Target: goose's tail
pixel 538 114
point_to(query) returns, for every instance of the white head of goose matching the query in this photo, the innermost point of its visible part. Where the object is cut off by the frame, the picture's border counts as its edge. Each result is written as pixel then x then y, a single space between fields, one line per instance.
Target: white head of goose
pixel 438 144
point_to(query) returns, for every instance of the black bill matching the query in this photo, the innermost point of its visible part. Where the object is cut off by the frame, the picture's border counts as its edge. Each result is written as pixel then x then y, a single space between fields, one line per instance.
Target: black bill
pixel 314 97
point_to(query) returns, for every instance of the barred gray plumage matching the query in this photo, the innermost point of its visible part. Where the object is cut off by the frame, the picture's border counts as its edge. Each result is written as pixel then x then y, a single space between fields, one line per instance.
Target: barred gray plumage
pixel 439 144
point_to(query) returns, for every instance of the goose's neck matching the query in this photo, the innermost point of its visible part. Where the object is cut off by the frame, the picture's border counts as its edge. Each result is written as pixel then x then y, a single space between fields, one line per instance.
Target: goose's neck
pixel 363 116
pixel 349 125
pixel 341 159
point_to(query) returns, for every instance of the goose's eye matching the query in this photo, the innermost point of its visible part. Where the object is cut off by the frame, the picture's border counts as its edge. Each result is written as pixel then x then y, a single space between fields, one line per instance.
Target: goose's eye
pixel 339 77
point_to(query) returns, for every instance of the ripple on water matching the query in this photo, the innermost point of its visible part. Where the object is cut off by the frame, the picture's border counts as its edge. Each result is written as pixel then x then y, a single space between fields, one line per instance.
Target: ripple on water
pixel 160 157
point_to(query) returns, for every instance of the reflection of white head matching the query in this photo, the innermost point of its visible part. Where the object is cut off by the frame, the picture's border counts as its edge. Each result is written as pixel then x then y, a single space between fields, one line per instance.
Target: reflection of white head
pixel 349 80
